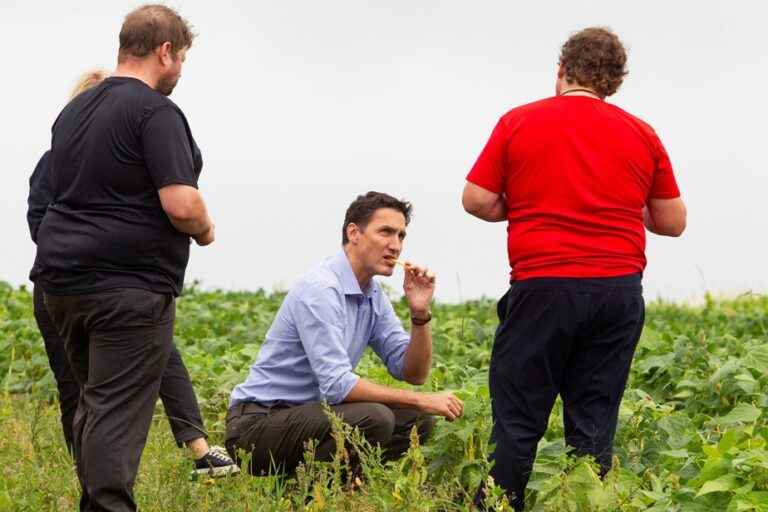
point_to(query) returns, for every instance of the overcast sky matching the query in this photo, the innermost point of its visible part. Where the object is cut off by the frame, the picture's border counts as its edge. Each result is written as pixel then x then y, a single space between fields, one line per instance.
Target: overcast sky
pixel 300 106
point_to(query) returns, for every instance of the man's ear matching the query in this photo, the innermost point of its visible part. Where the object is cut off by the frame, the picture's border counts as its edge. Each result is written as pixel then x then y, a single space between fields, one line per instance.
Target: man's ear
pixel 164 53
pixel 353 232
pixel 561 71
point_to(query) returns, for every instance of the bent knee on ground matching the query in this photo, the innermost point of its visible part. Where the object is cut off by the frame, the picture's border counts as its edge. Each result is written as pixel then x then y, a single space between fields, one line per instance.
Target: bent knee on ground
pixel 375 421
pixel 426 426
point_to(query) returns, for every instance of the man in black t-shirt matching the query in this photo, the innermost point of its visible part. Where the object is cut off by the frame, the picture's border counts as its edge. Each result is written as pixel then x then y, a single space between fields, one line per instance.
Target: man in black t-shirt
pixel 176 392
pixel 114 245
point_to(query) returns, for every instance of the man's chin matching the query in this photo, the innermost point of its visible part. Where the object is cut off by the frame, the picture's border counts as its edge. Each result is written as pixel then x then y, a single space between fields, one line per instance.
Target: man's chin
pixel 166 87
pixel 386 270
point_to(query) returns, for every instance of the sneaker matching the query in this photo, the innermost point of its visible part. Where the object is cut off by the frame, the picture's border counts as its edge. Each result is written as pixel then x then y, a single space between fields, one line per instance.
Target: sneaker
pixel 215 463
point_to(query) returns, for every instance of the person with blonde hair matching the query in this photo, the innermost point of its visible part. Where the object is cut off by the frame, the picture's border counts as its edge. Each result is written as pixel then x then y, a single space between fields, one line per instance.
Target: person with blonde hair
pixel 176 391
pixel 88 80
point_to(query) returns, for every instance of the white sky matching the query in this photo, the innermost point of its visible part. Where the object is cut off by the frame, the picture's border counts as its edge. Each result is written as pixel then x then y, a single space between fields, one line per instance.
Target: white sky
pixel 299 106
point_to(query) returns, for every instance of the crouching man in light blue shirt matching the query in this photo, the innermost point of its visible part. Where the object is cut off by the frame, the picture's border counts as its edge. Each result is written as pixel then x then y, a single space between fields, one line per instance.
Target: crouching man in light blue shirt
pixel 319 335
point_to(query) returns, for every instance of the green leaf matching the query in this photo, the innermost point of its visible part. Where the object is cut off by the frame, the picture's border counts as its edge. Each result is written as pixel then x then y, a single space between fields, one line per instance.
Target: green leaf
pixel 675 454
pixel 757 358
pixel 722 484
pixel 742 413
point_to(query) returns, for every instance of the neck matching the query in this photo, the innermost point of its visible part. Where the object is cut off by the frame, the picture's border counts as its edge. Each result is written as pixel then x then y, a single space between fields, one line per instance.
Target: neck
pixel 363 276
pixel 578 90
pixel 137 70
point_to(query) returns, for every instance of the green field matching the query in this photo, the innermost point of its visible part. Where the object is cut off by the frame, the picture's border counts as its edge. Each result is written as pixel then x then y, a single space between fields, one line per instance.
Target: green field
pixel 692 433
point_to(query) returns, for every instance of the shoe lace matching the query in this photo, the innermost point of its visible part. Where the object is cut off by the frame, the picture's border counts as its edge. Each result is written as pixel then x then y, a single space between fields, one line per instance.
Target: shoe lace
pixel 219 455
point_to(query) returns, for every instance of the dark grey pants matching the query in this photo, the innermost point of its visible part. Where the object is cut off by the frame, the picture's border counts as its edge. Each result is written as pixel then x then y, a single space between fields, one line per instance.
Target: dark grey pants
pixel 66 384
pixel 275 437
pixel 118 343
pixel 176 390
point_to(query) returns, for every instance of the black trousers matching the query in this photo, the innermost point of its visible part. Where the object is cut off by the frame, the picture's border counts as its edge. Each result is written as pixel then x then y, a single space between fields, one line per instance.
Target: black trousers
pixel 275 437
pixel 176 391
pixel 118 344
pixel 67 385
pixel 567 336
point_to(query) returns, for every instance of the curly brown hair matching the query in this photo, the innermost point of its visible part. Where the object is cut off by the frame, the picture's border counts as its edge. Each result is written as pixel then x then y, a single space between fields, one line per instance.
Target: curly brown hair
pixel 595 58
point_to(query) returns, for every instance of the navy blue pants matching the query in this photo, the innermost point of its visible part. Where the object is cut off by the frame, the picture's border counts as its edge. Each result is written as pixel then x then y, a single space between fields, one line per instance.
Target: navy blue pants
pixel 569 336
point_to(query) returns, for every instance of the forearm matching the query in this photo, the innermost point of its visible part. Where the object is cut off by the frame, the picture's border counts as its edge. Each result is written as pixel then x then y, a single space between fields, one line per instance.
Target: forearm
pixel 648 221
pixel 194 221
pixel 418 356
pixel 669 223
pixel 193 226
pixel 185 208
pixel 367 391
pixel 494 212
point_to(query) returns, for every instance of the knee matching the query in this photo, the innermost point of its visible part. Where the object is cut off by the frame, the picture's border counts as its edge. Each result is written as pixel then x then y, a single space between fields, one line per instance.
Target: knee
pixel 425 427
pixel 380 424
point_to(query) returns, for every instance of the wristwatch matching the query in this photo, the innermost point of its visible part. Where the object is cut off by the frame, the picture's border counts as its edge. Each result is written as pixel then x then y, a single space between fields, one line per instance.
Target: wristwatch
pixel 422 321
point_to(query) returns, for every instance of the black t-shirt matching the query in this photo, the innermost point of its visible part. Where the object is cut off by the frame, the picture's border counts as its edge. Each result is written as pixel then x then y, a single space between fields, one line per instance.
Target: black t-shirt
pixel 113 147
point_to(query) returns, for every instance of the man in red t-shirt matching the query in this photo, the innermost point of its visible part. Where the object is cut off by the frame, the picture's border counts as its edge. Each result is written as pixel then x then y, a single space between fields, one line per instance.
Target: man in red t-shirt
pixel 578 180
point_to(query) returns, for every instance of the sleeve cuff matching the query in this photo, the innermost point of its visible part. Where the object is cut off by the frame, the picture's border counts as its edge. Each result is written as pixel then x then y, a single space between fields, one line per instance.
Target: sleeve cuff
pixel 487 185
pixel 338 391
pixel 669 195
pixel 397 366
pixel 175 181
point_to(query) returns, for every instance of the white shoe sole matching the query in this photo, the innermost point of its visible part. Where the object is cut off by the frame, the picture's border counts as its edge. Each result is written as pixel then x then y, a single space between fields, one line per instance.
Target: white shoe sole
pixel 217 472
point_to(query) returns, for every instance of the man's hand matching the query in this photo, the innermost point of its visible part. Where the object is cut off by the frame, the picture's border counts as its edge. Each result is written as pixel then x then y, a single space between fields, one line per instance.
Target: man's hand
pixel 443 404
pixel 419 287
pixel 206 237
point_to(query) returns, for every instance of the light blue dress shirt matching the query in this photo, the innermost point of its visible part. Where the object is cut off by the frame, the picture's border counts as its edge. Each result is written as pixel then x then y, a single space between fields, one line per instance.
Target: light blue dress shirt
pixel 318 337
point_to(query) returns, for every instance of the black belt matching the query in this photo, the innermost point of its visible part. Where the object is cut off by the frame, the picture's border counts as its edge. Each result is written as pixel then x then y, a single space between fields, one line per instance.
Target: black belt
pixel 243 408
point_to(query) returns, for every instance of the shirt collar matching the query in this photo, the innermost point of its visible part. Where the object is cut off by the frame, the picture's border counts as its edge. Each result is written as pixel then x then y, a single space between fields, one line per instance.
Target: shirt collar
pixel 340 265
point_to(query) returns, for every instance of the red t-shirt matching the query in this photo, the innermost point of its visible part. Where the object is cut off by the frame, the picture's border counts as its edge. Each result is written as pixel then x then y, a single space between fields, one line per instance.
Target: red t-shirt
pixel 576 173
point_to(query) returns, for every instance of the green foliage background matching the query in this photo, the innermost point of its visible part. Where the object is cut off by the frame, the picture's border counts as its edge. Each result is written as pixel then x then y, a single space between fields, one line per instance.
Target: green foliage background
pixel 692 433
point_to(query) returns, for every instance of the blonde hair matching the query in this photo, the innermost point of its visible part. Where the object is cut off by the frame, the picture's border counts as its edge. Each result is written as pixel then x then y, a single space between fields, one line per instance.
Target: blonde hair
pixel 88 80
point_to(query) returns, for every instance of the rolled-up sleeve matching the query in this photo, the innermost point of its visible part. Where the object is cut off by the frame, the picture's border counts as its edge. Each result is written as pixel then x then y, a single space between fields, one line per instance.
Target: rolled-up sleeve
pixel 390 341
pixel 319 317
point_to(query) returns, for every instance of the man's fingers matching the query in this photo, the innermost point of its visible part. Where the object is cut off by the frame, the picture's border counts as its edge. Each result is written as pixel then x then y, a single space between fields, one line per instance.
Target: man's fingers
pixel 455 408
pixel 419 271
pixel 458 405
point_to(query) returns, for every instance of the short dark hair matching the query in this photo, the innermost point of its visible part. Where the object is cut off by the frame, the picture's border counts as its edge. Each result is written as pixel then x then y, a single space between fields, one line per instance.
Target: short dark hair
pixel 362 209
pixel 149 26
pixel 595 58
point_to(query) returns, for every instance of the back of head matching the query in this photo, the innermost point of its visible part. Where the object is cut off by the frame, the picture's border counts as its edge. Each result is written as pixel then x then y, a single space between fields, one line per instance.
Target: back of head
pixel 149 26
pixel 88 80
pixel 594 58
